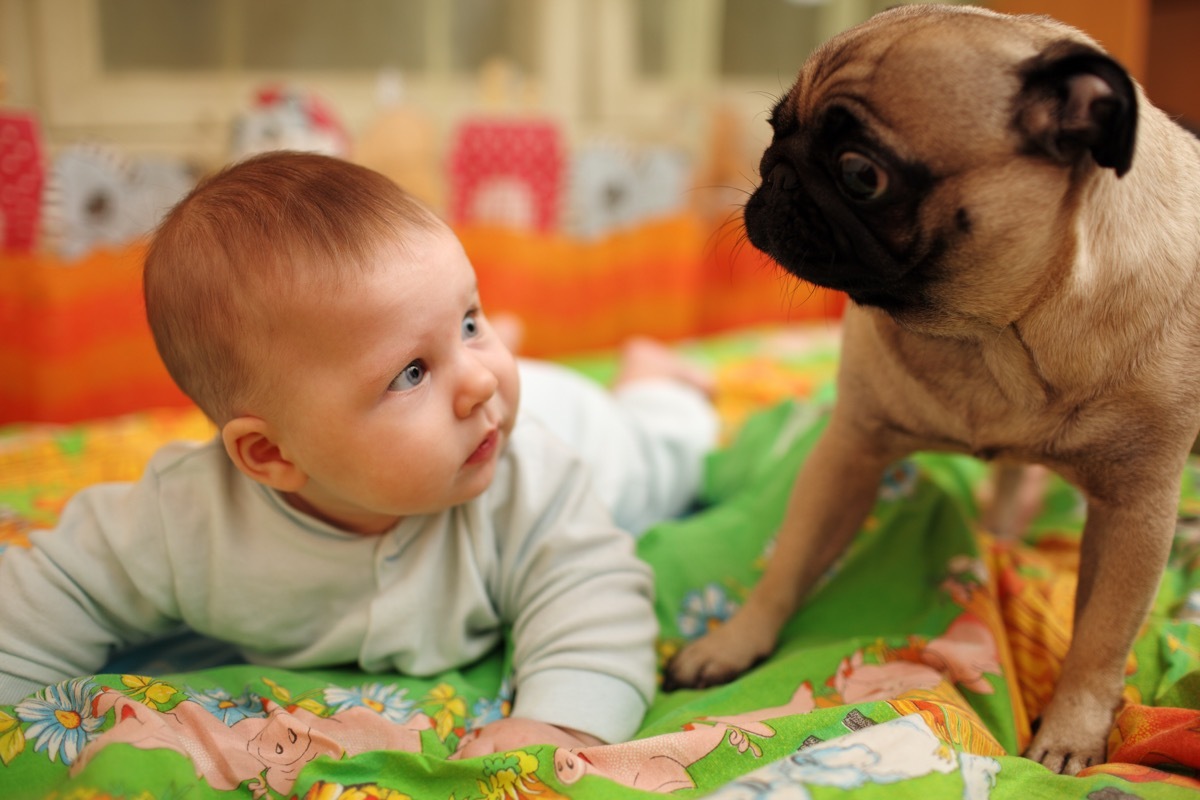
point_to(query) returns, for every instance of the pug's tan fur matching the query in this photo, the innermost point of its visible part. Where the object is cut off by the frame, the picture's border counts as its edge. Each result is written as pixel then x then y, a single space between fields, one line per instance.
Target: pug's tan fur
pixel 1025 289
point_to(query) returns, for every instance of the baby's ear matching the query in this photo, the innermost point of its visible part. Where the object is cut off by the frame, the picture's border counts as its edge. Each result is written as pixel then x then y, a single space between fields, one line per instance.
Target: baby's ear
pixel 250 444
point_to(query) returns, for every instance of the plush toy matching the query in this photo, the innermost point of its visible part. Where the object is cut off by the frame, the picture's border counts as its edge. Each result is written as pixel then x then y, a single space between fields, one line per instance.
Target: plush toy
pixel 21 178
pixel 612 187
pixel 507 172
pixel 401 143
pixel 506 166
pixel 287 118
pixel 88 200
pixel 98 197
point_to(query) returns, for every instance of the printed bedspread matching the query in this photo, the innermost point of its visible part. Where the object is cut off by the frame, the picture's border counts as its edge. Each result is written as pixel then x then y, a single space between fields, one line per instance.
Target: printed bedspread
pixel 914 671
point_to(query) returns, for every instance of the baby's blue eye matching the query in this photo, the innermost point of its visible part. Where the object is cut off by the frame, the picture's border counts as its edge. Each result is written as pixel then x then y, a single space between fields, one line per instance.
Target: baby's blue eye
pixel 409 377
pixel 470 326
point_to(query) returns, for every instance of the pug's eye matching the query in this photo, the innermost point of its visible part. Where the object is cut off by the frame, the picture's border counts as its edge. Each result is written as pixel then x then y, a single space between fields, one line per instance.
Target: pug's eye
pixel 861 178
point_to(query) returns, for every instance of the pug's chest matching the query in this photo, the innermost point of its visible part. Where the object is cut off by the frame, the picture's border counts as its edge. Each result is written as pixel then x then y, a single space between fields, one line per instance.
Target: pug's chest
pixel 995 396
pixel 961 401
pixel 971 418
pixel 990 426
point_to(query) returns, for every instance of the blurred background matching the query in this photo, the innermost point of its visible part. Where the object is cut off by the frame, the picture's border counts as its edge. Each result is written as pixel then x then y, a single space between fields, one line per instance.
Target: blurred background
pixel 173 77
pixel 581 147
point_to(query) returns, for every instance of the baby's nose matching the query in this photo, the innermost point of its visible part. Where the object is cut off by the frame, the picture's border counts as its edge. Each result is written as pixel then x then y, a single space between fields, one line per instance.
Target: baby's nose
pixel 476 387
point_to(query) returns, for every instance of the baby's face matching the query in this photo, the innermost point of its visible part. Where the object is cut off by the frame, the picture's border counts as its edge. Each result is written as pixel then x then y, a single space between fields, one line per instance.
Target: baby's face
pixel 397 396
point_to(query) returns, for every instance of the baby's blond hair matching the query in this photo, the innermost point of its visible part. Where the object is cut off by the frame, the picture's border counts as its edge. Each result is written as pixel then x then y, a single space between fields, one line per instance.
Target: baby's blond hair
pixel 248 236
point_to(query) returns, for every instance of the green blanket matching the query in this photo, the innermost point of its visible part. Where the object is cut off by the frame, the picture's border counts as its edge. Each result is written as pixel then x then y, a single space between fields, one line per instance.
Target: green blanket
pixel 914 671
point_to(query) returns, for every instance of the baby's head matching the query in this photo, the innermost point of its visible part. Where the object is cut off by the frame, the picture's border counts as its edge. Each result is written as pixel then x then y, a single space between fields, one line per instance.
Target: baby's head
pixel 330 325
pixel 234 253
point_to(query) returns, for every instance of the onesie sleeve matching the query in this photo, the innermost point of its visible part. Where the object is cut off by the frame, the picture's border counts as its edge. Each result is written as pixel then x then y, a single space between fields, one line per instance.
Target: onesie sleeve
pixel 579 601
pixel 95 582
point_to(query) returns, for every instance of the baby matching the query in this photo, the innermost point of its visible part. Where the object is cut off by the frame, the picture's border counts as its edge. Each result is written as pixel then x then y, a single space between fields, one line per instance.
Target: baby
pixel 373 496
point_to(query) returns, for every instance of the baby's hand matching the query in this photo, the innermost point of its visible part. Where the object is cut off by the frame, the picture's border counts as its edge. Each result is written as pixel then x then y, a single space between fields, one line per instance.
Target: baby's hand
pixel 513 733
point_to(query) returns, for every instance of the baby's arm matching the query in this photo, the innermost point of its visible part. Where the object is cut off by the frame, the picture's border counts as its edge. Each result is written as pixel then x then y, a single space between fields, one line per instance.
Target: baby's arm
pixel 70 599
pixel 513 733
pixel 579 602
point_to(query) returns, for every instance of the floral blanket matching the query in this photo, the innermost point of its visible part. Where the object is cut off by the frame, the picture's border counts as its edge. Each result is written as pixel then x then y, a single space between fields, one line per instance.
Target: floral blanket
pixel 914 671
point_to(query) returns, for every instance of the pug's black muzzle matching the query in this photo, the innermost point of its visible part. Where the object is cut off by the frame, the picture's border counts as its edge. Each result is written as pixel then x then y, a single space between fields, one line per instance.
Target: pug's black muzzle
pixel 800 219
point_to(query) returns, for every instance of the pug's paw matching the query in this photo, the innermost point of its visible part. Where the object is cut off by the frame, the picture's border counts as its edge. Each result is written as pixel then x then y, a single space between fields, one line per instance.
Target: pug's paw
pixel 1068 743
pixel 720 656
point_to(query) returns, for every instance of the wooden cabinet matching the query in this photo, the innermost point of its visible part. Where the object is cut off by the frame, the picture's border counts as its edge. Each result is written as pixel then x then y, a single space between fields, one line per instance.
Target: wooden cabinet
pixel 1173 58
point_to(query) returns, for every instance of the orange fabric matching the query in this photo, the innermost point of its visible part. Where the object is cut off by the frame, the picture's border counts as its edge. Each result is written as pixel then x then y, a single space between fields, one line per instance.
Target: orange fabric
pixel 1156 737
pixel 76 344
pixel 672 279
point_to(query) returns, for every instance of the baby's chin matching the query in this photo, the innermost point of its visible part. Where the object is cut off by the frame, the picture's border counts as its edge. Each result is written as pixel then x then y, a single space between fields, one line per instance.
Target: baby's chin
pixel 478 481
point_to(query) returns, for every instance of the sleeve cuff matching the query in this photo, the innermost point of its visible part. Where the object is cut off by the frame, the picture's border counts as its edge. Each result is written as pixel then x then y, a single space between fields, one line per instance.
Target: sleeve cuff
pixel 592 702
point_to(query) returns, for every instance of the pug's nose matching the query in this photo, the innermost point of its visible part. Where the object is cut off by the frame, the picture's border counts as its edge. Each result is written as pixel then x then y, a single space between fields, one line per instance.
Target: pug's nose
pixel 782 178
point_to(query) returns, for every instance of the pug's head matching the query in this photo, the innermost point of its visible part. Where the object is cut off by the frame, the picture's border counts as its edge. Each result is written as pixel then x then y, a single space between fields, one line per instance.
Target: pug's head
pixel 930 162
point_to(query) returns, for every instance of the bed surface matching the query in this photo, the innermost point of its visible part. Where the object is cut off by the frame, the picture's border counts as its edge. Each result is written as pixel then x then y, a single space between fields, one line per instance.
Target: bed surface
pixel 914 670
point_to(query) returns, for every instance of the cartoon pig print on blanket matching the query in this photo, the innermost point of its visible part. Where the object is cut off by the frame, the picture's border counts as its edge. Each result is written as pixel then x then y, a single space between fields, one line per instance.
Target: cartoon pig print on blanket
pixel 964 654
pixel 267 751
pixel 660 763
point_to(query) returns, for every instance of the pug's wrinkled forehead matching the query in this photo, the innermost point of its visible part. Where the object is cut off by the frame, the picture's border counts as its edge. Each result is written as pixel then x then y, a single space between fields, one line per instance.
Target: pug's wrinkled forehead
pixel 905 76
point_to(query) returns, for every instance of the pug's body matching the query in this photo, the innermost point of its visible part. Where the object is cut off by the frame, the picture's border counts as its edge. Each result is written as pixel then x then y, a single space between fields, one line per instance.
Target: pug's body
pixel 1024 289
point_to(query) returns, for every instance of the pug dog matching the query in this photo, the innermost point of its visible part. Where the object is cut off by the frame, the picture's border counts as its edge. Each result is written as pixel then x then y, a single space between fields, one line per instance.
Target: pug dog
pixel 1018 230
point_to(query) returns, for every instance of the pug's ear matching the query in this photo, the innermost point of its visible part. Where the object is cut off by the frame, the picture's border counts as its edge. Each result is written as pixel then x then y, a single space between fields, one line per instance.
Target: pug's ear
pixel 1075 100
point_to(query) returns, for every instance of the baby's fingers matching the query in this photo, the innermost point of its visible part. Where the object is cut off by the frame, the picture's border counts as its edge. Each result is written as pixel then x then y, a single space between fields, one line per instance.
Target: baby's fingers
pixel 468 747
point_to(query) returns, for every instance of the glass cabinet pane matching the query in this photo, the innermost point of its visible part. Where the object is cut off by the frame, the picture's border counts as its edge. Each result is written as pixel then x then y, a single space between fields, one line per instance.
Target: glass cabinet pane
pixel 311 35
pixel 767 37
pixel 140 35
pixel 483 30
pixel 315 35
pixel 653 24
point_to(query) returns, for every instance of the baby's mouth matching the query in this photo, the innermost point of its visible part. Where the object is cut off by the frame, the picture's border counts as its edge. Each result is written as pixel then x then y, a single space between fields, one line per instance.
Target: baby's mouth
pixel 485 449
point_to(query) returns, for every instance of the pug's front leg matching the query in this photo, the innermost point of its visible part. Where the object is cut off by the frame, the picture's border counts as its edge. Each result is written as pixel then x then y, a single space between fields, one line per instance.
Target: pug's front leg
pixel 1123 554
pixel 834 491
